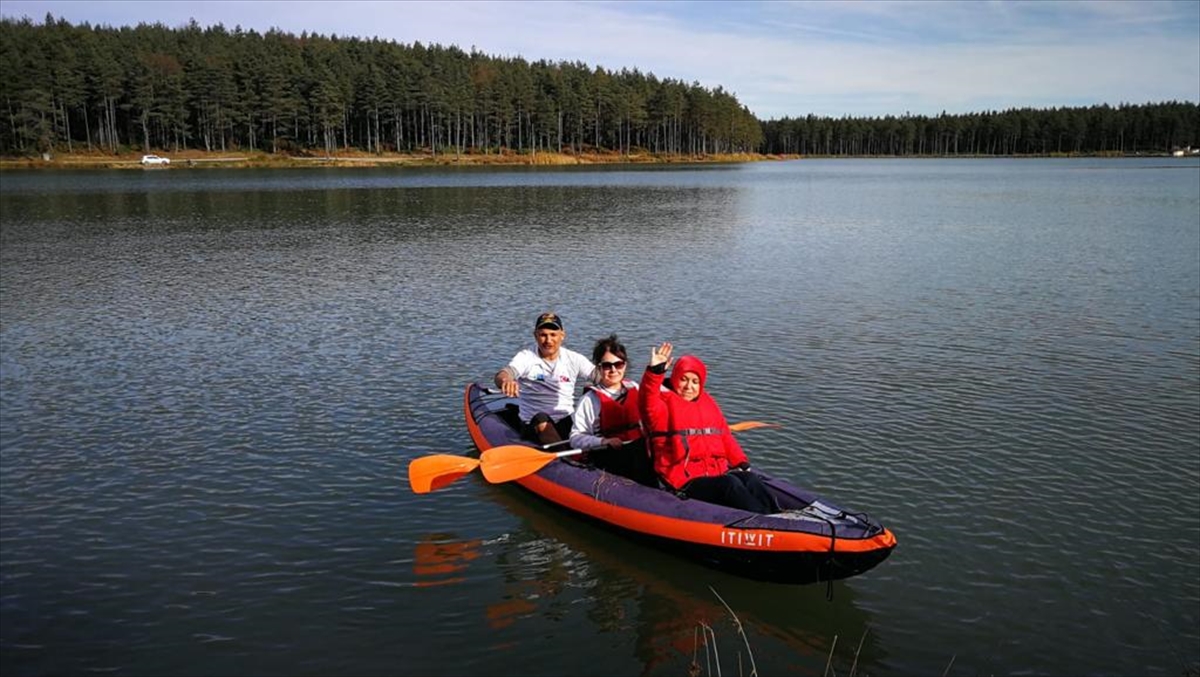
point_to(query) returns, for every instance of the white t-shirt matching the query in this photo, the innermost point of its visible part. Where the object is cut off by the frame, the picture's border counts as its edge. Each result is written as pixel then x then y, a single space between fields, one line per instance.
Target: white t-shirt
pixel 546 386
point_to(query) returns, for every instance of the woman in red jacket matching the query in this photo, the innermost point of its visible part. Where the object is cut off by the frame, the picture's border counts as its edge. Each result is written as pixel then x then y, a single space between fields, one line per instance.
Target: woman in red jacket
pixel 693 449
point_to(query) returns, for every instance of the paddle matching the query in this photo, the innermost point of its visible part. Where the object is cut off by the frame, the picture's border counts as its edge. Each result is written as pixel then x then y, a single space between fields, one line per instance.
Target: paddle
pixel 430 473
pixel 514 461
pixel 751 425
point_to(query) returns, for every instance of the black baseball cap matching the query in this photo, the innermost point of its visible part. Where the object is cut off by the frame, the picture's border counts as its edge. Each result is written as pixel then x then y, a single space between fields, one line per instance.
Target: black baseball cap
pixel 551 320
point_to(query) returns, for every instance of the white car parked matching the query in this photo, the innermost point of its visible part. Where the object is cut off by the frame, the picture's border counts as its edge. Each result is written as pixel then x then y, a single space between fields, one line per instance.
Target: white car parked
pixel 155 160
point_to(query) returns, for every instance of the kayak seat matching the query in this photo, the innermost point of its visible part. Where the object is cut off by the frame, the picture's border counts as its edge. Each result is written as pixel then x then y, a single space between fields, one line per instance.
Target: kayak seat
pixel 511 415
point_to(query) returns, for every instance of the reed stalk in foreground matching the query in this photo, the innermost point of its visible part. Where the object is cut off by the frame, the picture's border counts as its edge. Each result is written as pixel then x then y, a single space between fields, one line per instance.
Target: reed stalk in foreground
pixel 713 657
pixel 741 631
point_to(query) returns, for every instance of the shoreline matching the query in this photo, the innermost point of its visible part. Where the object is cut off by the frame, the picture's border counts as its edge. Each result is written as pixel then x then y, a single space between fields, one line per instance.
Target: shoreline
pixel 196 159
pixel 193 159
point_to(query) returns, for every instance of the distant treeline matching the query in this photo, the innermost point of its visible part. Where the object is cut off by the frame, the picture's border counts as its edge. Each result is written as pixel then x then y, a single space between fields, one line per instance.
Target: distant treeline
pixel 67 88
pixel 1125 129
pixel 150 86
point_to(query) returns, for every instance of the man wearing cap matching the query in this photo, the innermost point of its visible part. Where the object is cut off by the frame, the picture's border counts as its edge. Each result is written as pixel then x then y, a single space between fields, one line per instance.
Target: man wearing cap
pixel 543 381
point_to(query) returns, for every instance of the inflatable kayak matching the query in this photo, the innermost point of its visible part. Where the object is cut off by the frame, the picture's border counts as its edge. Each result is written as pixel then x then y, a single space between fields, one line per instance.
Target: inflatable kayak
pixel 810 541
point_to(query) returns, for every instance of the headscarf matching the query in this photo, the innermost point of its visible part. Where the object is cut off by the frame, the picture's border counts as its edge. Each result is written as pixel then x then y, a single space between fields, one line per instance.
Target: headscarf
pixel 685 364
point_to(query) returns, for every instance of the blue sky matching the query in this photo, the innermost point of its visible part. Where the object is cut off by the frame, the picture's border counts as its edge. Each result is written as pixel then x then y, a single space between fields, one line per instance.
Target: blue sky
pixel 827 58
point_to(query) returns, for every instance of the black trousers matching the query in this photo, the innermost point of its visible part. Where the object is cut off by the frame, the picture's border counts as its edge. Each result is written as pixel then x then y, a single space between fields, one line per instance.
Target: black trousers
pixel 736 489
pixel 630 461
pixel 562 425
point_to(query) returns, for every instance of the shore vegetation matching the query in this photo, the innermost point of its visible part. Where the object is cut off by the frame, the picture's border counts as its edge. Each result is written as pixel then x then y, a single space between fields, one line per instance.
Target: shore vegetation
pixel 199 159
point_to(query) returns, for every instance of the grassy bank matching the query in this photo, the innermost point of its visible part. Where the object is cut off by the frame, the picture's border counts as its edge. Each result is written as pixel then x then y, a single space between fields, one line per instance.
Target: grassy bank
pixel 355 158
pixel 352 158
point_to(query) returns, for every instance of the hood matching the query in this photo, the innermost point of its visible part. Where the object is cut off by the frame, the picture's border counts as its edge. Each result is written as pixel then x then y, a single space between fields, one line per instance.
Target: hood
pixel 685 364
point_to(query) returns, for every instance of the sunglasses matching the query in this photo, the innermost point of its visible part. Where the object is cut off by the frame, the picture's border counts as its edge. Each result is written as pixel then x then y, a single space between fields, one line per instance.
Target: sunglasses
pixel 619 364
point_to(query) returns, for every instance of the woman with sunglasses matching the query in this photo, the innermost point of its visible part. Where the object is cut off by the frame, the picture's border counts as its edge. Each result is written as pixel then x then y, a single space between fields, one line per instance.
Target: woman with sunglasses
pixel 691 444
pixel 607 417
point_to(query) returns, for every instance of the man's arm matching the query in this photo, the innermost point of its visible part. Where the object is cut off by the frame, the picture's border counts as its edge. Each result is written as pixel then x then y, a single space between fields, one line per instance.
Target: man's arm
pixel 506 378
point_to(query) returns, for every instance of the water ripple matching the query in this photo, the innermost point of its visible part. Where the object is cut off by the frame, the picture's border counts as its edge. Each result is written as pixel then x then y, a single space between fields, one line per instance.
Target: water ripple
pixel 210 392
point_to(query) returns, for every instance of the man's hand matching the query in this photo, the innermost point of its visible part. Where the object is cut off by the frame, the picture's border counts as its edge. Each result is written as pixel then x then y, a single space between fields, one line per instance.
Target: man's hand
pixel 507 384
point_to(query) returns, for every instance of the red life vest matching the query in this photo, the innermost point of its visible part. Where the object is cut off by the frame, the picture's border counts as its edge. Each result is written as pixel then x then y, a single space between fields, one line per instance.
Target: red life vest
pixel 618 417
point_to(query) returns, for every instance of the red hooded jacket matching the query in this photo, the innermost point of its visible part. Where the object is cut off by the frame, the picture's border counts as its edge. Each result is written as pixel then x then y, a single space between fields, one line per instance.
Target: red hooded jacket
pixel 687 439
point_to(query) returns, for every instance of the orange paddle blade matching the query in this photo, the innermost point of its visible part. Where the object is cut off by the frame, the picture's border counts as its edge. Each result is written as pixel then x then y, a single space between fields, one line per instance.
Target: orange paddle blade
pixel 429 473
pixel 751 425
pixel 513 461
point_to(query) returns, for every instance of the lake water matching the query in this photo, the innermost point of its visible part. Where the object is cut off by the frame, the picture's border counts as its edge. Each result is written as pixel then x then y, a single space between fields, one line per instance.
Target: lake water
pixel 212 382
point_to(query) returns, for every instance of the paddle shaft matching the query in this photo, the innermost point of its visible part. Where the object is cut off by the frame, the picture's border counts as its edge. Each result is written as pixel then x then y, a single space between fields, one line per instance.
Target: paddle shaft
pixel 514 461
pixel 433 472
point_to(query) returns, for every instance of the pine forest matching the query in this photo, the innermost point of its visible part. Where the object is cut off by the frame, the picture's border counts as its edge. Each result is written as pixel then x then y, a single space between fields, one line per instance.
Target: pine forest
pixel 75 88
